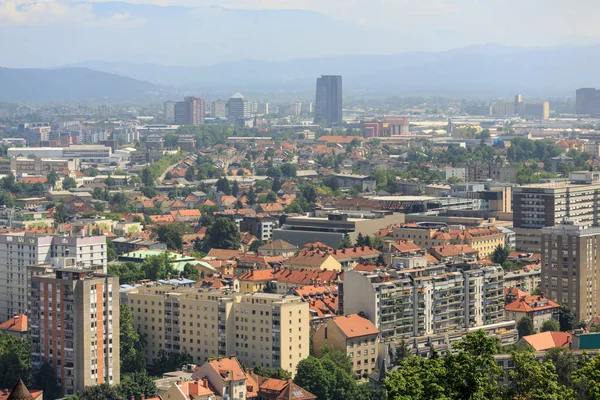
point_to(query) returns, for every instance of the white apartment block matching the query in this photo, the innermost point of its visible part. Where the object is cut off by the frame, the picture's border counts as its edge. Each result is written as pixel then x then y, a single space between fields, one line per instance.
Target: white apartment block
pixel 20 250
pixel 412 304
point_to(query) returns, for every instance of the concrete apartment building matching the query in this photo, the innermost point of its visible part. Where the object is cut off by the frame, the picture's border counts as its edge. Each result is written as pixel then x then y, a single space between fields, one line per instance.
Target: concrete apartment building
pixel 570 261
pixel 353 335
pixel 21 250
pixel 36 166
pixel 415 304
pixel 74 322
pixel 546 204
pixel 263 329
pixel 190 111
pixel 21 219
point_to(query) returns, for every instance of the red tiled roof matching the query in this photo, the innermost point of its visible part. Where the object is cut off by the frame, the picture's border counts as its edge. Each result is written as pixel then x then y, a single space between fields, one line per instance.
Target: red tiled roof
pixel 257 275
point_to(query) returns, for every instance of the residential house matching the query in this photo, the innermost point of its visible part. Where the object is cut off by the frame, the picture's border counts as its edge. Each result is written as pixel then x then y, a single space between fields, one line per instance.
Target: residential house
pixel 314 258
pixel 354 335
pixel 16 326
pixel 538 308
pixel 228 378
pixel 278 247
pixel 256 280
pixel 280 389
pixel 353 255
pixel 548 340
pixel 450 250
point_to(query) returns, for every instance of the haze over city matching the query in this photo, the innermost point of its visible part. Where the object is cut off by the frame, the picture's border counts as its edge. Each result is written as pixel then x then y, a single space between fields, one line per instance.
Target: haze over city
pixel 203 32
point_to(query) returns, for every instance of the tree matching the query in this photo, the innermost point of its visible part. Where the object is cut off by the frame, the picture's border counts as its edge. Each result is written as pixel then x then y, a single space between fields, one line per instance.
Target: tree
pixel 223 186
pixel 256 244
pixel 566 318
pixel 52 179
pixel 550 325
pixel 535 380
pixel 101 392
pixel 60 215
pixel 500 254
pixel 163 363
pixel 137 385
pixel 157 267
pixel 45 379
pixel 191 272
pixel 15 362
pixel 172 235
pixel 69 183
pixel 251 196
pixel 127 272
pixel 131 343
pixel 525 327
pixel 276 373
pixel 148 191
pixel 332 183
pixel 8 183
pixel 473 372
pixel 417 378
pixel 276 186
pixel 235 189
pixel 111 251
pixel 271 197
pixel 312 376
pixel 289 170
pixel 565 363
pixel 345 242
pixel 587 379
pixel 222 234
pixel 340 359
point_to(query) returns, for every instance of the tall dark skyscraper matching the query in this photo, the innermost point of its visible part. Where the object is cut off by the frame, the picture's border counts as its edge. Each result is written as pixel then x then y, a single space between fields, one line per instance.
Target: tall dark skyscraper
pixel 328 102
pixel 190 111
pixel 587 101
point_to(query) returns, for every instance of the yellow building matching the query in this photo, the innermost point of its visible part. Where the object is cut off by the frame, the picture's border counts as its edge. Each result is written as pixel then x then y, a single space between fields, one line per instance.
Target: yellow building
pixel 484 240
pixel 355 336
pixel 263 329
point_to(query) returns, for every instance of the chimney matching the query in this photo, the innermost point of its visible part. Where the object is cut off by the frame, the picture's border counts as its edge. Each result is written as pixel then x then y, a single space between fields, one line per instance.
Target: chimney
pixel 205 382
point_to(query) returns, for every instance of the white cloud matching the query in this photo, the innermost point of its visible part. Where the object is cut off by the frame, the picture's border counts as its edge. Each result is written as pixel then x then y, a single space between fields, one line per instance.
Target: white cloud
pixel 48 12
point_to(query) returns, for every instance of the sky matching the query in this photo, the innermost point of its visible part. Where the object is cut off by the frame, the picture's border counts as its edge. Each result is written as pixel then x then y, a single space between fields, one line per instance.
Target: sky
pixel 46 33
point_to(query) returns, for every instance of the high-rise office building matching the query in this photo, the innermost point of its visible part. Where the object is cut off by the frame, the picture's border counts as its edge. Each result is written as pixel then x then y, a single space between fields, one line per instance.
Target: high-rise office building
pixel 570 262
pixel 546 204
pixel 20 250
pixel 328 101
pixel 189 112
pixel 74 322
pixel 587 101
pixel 238 107
pixel 219 109
pixel 263 329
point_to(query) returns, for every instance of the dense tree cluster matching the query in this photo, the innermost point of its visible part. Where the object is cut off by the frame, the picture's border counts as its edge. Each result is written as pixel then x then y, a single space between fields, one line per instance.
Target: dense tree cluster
pixel 331 377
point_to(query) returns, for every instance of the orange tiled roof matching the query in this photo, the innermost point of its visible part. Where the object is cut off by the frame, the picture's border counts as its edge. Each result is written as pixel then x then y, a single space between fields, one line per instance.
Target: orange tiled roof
pixel 354 325
pixel 229 369
pixel 223 254
pixel 355 252
pixel 18 323
pixel 33 179
pixel 529 304
pixel 270 207
pixel 257 275
pixel 162 219
pixel 548 340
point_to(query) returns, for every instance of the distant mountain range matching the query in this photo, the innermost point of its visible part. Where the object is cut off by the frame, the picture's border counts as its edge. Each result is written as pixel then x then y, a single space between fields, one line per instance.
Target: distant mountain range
pixel 486 70
pixel 71 84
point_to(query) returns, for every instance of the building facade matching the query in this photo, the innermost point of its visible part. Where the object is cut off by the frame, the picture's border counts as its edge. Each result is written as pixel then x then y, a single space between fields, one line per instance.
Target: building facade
pixel 21 250
pixel 547 204
pixel 404 305
pixel 74 322
pixel 260 329
pixel 328 102
pixel 189 112
pixel 238 107
pixel 570 261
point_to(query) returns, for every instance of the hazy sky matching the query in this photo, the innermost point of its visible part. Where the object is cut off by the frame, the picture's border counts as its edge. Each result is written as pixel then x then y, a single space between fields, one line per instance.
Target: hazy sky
pixel 195 32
